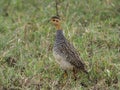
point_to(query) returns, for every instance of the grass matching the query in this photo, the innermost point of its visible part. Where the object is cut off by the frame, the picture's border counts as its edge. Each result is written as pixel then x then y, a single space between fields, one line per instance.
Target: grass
pixel 26 41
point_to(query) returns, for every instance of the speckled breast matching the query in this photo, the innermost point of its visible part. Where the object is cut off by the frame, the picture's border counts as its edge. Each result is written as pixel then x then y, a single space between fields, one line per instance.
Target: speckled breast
pixel 61 60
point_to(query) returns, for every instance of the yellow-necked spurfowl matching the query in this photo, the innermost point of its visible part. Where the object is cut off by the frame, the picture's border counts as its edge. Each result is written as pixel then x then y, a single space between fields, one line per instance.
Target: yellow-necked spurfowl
pixel 64 52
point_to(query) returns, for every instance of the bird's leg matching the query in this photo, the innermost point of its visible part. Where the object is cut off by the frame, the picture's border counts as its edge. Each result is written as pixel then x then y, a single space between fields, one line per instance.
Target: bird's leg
pixel 74 74
pixel 65 74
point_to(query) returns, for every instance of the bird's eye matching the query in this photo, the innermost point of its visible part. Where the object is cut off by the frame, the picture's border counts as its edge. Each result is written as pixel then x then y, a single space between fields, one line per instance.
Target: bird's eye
pixel 53 20
pixel 56 20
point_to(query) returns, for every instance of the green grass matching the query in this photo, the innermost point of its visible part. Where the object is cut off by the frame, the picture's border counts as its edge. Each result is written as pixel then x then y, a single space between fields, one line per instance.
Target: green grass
pixel 26 41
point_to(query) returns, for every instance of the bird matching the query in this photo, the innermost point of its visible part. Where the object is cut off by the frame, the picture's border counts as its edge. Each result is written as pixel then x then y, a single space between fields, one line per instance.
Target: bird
pixel 64 52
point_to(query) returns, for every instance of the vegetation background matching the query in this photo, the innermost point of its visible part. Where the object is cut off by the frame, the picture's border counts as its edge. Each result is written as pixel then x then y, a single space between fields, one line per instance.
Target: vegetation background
pixel 26 41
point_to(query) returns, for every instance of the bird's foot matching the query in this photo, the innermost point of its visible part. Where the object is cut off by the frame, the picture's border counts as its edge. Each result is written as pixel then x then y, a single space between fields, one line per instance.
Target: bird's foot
pixel 65 74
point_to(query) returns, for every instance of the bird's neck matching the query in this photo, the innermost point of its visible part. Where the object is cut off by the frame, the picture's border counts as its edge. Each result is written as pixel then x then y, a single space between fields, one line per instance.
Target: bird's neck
pixel 59 32
pixel 58 27
pixel 59 37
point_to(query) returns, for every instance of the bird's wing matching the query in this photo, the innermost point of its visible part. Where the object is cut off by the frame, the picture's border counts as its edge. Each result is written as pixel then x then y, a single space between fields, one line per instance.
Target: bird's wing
pixel 71 54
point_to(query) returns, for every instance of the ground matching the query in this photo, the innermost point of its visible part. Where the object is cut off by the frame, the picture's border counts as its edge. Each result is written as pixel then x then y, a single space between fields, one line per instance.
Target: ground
pixel 27 37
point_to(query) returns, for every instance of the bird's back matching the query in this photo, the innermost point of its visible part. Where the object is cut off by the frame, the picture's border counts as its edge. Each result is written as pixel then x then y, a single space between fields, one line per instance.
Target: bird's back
pixel 65 51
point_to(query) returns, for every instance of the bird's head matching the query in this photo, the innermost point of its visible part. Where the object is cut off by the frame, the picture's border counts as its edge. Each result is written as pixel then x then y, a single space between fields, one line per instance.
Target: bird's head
pixel 55 20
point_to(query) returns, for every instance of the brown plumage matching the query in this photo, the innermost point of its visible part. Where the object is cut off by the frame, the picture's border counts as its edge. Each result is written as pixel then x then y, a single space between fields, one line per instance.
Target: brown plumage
pixel 64 52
